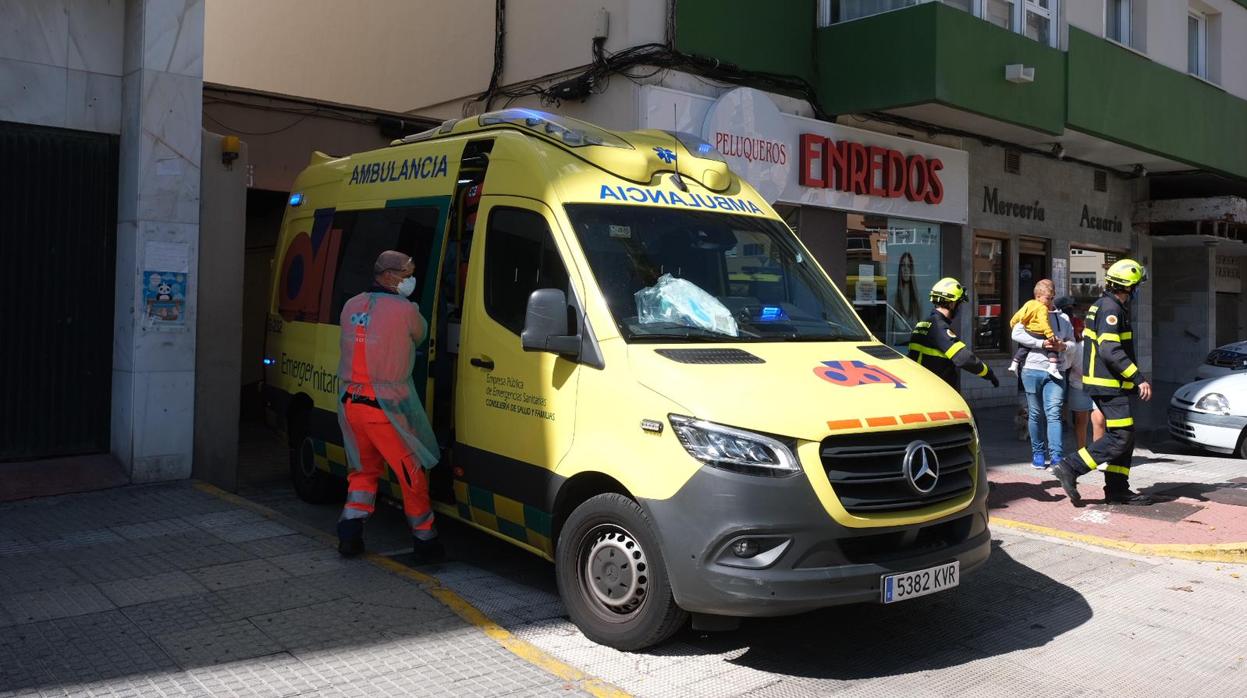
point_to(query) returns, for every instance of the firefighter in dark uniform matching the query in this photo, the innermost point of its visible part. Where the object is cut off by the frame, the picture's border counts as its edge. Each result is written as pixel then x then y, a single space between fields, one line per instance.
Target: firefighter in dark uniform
pixel 936 346
pixel 1110 376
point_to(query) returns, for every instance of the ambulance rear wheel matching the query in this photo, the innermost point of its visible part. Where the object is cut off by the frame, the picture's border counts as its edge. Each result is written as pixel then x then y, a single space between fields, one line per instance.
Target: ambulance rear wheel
pixel 313 485
pixel 612 577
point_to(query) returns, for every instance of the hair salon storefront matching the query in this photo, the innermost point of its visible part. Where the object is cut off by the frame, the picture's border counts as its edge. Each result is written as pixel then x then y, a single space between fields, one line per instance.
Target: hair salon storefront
pixel 882 214
pixel 1033 217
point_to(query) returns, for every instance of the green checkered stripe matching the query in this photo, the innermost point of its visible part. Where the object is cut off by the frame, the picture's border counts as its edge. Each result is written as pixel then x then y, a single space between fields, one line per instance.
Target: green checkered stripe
pixel 515 520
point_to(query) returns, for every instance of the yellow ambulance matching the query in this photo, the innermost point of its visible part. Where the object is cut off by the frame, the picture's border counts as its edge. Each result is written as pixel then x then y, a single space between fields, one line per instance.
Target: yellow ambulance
pixel 635 370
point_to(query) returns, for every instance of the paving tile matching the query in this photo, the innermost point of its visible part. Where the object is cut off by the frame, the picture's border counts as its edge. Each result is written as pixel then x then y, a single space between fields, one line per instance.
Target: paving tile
pixel 62 602
pixel 225 518
pixel 243 532
pixel 311 562
pixel 278 674
pixel 84 648
pixel 130 592
pixel 152 529
pixel 124 567
pixel 217 644
pixel 347 622
pixel 81 539
pixel 281 545
pixel 236 574
pixel 207 556
pixel 173 683
pixel 28 573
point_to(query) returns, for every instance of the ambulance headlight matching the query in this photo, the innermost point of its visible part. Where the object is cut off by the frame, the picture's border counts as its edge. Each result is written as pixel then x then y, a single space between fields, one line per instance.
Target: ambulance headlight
pixel 734 449
pixel 1213 402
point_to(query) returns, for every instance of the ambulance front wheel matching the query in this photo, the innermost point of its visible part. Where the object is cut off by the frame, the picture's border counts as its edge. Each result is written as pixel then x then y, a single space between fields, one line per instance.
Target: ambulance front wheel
pixel 612 577
pixel 313 485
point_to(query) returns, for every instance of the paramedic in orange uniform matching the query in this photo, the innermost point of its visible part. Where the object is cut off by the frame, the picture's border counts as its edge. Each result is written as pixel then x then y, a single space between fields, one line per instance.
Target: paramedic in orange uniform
pixel 380 413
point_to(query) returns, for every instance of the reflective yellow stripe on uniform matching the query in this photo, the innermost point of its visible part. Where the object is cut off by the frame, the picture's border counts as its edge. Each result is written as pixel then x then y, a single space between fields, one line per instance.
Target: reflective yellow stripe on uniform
pixel 1119 423
pixel 1127 335
pixel 1119 469
pixel 952 351
pixel 984 371
pixel 1107 382
pixel 1088 333
pixel 1130 371
pixel 925 324
pixel 922 349
pixel 1109 336
pixel 1087 460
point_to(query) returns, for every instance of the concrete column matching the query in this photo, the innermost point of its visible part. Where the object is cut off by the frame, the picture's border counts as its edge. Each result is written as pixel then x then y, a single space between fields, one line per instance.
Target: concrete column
pixel 158 234
pixel 219 311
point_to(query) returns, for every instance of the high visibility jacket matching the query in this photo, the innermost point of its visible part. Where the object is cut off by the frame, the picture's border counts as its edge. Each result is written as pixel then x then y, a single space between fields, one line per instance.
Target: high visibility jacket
pixel 1108 363
pixel 935 346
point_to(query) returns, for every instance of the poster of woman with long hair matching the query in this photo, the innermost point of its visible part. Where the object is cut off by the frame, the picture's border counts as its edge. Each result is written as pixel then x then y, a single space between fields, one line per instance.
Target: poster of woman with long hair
pixel 905 297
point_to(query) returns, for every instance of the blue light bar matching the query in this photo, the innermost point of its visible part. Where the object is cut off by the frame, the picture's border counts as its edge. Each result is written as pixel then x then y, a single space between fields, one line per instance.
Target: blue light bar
pixel 296 199
pixel 771 313
pixel 269 362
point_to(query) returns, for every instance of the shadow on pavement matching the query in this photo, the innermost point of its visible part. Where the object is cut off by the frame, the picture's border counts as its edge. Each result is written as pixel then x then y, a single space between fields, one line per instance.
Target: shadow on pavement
pixel 1003 607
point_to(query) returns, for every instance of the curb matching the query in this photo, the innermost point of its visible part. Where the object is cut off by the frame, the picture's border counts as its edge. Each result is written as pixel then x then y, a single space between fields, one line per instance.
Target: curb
pixel 1214 552
pixel 460 606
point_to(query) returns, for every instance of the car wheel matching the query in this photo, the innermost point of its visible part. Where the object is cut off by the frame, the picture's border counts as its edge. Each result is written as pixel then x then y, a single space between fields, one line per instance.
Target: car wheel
pixel 1242 444
pixel 612 577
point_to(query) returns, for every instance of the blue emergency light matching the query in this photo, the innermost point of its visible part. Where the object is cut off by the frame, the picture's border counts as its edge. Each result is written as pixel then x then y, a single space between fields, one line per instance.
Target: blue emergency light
pixel 296 199
pixel 269 362
pixel 771 313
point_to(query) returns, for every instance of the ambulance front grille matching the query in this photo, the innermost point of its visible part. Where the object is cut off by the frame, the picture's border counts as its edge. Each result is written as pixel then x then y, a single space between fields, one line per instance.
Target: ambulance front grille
pixel 868 475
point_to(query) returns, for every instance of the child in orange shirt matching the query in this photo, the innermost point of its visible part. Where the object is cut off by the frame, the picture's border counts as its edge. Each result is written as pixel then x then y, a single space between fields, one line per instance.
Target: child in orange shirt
pixel 1034 315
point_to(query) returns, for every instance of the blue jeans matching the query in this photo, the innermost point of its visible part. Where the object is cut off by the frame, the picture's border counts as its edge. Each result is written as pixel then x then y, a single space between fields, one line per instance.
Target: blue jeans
pixel 1044 399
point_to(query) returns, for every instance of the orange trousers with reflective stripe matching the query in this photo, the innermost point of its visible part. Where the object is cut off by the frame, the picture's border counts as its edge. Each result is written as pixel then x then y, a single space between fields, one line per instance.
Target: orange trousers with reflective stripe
pixel 380 444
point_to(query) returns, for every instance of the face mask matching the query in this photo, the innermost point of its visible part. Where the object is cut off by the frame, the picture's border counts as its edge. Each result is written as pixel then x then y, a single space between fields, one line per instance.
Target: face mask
pixel 407 286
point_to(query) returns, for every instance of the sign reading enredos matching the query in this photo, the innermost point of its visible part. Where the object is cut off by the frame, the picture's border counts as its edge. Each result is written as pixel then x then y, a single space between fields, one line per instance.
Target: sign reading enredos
pixel 786 157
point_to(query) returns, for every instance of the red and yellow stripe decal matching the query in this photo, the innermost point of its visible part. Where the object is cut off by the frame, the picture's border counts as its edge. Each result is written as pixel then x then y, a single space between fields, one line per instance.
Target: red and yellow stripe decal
pixel 891 421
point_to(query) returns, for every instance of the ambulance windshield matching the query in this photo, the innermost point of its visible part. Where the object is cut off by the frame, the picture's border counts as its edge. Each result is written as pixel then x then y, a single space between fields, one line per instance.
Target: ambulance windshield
pixel 671 275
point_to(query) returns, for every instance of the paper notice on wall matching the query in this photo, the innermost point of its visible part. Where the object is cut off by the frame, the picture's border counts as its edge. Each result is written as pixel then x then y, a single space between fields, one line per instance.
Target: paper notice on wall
pixel 167 256
pixel 164 298
pixel 1060 276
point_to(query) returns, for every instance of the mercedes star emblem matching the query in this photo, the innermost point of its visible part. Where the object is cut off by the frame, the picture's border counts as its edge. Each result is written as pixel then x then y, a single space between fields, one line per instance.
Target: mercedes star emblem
pixel 922 467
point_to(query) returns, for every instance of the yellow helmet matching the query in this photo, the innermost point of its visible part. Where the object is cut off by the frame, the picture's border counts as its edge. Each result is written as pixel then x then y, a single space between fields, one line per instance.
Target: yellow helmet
pixel 1126 273
pixel 948 289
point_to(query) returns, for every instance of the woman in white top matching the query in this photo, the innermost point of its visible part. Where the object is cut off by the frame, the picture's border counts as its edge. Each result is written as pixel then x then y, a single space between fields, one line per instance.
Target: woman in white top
pixel 1045 394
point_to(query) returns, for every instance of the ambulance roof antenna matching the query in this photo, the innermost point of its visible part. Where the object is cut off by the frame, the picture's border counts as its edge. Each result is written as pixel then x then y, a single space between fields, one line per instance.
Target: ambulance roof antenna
pixel 675 151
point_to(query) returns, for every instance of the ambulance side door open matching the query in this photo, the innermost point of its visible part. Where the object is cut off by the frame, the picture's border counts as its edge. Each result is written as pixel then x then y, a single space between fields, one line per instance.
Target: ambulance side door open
pixel 515 410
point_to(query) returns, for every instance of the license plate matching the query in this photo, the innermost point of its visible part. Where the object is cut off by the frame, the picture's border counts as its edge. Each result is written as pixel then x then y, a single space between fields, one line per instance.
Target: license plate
pixel 911 585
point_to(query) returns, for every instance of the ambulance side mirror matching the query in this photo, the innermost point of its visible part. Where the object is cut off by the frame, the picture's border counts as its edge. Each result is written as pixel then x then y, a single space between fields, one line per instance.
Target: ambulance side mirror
pixel 545 324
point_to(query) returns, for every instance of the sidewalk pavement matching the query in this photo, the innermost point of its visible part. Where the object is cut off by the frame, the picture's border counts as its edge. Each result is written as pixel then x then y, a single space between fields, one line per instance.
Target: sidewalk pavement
pixel 1201 509
pixel 172 590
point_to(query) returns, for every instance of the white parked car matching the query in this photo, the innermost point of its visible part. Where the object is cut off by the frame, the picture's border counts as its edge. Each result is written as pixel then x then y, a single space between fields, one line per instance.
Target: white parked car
pixel 1212 414
pixel 1224 360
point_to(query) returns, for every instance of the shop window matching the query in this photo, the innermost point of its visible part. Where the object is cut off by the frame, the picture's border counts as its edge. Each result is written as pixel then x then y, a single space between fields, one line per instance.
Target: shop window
pixel 990 302
pixel 892 264
pixel 520 257
pixel 1086 273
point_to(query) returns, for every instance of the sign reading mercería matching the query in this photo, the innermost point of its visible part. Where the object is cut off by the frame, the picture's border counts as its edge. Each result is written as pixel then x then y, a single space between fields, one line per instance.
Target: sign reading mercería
pixel 426 167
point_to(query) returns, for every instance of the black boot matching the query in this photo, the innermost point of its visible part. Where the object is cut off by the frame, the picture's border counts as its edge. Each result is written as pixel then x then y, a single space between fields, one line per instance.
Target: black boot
pixel 426 551
pixel 1068 480
pixel 1128 498
pixel 350 537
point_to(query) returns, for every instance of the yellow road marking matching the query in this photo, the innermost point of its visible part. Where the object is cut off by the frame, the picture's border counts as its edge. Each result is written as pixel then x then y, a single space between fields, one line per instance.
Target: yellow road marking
pixel 520 648
pixel 1212 552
